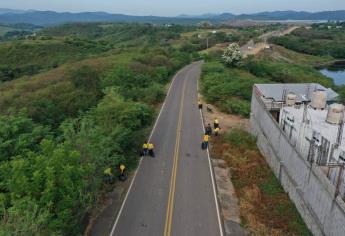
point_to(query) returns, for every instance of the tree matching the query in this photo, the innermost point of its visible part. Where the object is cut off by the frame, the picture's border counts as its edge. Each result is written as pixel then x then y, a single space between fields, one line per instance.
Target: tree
pixel 19 134
pixel 232 55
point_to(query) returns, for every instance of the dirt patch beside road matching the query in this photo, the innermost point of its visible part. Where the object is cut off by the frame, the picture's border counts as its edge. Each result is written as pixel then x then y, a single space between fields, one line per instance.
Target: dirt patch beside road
pixel 251 199
pixel 265 208
pixel 227 121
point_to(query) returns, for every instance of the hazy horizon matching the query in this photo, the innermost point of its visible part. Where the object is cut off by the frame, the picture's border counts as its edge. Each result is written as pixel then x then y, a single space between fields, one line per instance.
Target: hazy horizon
pixel 176 7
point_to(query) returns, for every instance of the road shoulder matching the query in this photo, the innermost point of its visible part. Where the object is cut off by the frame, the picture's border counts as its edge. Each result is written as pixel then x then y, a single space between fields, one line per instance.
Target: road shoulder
pixel 228 201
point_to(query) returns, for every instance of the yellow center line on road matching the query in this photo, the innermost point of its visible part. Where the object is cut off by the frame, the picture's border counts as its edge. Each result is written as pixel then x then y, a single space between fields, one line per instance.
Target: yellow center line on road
pixel 170 207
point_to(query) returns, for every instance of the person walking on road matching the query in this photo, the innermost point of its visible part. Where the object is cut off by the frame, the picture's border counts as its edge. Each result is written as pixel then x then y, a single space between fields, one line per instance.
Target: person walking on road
pixel 150 148
pixel 204 144
pixel 208 130
pixel 145 149
pixel 216 123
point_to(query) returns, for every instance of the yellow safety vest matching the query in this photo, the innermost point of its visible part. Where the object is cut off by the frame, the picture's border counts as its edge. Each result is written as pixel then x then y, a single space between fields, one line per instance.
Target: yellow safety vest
pixel 150 146
pixel 216 130
pixel 108 171
pixel 122 168
pixel 145 145
pixel 206 137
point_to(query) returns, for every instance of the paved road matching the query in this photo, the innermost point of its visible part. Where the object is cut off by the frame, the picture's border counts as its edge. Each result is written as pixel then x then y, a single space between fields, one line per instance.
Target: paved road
pixel 173 194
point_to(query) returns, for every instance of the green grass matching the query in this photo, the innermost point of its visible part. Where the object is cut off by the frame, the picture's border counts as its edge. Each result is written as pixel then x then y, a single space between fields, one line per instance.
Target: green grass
pixel 271 186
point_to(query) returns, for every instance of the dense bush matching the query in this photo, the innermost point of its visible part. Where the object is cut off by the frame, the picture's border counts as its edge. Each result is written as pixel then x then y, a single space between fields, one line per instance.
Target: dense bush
pixel 318 40
pixel 79 120
pixel 60 181
pixel 283 72
pixel 230 89
pixel 19 134
pixel 29 58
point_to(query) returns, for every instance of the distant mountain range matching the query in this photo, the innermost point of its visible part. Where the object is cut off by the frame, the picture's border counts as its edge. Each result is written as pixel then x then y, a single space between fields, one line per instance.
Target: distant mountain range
pixel 296 15
pixel 44 18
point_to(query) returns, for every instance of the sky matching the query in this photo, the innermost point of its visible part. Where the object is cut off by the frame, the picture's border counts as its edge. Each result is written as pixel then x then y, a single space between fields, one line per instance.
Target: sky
pixel 174 7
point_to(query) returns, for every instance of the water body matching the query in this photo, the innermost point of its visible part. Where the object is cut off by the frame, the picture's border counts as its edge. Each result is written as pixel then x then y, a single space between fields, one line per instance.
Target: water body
pixel 337 73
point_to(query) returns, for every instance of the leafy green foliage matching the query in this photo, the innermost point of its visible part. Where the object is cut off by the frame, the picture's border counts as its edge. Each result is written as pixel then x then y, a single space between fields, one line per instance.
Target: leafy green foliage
pixel 53 183
pixel 231 88
pixel 228 88
pixel 30 57
pixel 80 119
pixel 319 40
pixel 283 72
pixel 18 134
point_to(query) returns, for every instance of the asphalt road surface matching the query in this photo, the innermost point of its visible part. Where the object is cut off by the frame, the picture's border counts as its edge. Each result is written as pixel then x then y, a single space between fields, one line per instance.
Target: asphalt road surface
pixel 173 193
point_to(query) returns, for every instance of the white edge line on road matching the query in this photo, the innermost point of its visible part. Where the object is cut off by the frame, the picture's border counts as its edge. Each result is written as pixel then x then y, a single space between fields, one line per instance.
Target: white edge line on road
pixel 135 174
pixel 211 173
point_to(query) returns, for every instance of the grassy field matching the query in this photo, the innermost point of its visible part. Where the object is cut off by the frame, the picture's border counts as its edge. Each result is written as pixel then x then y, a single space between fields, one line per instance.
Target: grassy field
pixel 264 206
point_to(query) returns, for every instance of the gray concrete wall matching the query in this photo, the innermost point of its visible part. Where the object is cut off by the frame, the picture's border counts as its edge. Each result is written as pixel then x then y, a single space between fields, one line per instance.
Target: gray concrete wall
pixel 307 186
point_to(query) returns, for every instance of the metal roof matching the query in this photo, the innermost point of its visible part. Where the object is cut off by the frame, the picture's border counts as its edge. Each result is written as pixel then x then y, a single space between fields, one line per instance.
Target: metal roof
pixel 275 91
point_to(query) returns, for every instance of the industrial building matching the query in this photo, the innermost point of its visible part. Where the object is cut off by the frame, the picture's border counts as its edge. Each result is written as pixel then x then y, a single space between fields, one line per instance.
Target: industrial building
pixel 299 130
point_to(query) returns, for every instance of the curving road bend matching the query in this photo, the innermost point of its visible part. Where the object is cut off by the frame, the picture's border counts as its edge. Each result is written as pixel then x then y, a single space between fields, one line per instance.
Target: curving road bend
pixel 173 193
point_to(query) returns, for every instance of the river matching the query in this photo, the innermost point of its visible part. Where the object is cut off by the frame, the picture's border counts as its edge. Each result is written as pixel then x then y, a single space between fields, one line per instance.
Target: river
pixel 337 73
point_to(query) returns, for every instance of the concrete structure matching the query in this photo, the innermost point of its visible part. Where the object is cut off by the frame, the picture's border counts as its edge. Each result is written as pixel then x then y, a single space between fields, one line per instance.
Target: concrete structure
pixel 304 151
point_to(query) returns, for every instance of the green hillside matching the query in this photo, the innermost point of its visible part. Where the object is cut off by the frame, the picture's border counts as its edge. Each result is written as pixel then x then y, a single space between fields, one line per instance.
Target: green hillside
pixel 74 100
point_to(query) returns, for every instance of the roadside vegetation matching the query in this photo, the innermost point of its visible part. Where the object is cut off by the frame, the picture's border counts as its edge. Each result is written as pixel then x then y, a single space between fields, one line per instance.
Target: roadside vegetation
pixel 60 128
pixel 286 55
pixel 230 88
pixel 264 206
pixel 227 83
pixel 321 40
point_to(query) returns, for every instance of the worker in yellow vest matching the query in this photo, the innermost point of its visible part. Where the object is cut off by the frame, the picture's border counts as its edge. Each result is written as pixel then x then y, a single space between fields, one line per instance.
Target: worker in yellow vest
pixel 216 123
pixel 150 148
pixel 204 144
pixel 145 149
pixel 122 169
pixel 216 131
pixel 108 176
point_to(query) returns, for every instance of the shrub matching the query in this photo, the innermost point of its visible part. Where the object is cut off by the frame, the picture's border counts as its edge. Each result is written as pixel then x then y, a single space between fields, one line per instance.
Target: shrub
pixel 232 55
pixel 237 106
